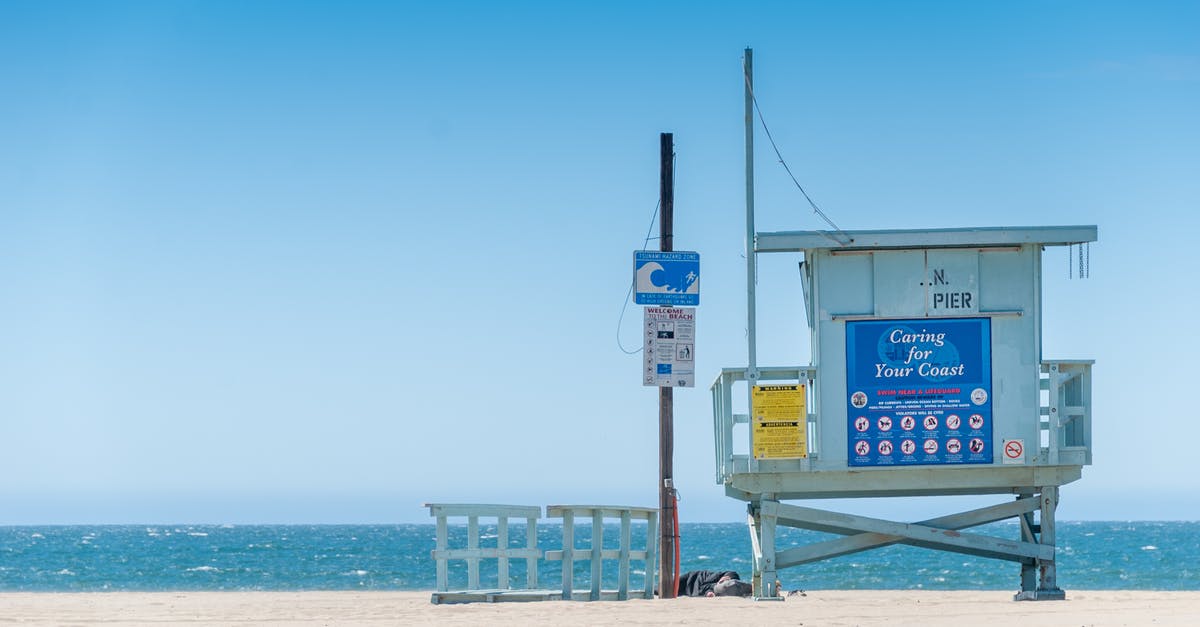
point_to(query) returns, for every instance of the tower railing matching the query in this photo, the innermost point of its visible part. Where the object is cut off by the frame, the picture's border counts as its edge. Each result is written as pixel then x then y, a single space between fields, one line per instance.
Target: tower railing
pixel 1065 427
pixel 1066 412
pixel 728 462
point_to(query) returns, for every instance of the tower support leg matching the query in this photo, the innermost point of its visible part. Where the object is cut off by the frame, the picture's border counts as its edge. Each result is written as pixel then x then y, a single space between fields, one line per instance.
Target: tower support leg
pixel 1047 589
pixel 754 522
pixel 768 585
pixel 762 536
pixel 1029 531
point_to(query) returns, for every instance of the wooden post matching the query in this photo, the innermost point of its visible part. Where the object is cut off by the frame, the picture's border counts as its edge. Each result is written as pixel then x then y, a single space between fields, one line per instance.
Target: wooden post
pixel 666 410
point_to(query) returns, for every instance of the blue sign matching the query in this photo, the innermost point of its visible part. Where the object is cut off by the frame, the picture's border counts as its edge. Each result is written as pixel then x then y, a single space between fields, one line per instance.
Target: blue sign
pixel 670 279
pixel 919 392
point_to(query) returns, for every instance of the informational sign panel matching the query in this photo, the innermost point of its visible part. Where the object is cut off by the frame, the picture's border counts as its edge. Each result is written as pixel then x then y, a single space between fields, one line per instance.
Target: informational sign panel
pixel 779 423
pixel 670 347
pixel 919 392
pixel 666 278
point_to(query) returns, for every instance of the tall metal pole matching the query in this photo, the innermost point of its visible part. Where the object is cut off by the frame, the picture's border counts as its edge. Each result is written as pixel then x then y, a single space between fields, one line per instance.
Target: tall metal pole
pixel 751 283
pixel 751 264
pixel 666 408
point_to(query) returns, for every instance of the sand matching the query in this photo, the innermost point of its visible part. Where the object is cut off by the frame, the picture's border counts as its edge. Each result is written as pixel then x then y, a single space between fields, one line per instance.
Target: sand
pixel 817 608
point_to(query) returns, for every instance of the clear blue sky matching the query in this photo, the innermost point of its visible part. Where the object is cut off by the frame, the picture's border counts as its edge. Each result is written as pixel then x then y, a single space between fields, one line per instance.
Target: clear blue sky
pixel 323 262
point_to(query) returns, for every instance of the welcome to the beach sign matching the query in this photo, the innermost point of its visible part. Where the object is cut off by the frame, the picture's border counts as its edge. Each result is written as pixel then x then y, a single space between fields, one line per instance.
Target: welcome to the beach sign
pixel 919 392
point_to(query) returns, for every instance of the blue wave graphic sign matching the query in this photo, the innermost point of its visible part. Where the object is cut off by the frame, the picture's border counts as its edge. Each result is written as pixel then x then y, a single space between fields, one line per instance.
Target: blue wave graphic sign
pixel 670 279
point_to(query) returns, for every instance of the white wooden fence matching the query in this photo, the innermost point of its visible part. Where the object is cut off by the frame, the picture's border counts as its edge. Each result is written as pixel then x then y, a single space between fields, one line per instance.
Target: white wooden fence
pixel 572 516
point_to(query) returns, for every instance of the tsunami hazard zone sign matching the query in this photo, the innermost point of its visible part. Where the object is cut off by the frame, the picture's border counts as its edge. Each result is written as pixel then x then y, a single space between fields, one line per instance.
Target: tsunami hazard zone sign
pixel 1014 451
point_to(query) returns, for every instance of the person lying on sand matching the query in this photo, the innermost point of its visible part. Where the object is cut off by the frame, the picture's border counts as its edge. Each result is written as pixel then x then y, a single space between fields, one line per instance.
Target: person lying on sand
pixel 713 583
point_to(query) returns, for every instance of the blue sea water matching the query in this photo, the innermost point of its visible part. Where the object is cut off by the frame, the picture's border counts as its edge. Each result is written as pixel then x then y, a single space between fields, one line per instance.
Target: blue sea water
pixel 1092 555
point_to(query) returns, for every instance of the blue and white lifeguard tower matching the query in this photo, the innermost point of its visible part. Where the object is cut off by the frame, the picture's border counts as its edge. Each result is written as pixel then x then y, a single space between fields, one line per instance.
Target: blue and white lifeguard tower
pixel 927 379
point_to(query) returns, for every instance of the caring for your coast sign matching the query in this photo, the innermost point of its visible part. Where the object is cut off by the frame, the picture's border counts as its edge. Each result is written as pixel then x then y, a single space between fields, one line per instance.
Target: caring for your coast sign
pixel 919 392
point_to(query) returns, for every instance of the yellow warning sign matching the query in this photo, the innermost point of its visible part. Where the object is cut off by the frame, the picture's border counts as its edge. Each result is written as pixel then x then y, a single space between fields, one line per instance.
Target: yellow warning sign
pixel 778 422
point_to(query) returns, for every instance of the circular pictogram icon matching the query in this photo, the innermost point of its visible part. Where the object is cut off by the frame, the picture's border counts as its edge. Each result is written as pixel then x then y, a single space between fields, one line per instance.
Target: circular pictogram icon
pixel 975 445
pixel 907 447
pixel 976 421
pixel 861 447
pixel 953 421
pixel 907 423
pixel 953 446
pixel 861 424
pixel 885 423
pixel 1014 449
pixel 858 400
pixel 885 447
pixel 930 422
pixel 931 446
pixel 979 396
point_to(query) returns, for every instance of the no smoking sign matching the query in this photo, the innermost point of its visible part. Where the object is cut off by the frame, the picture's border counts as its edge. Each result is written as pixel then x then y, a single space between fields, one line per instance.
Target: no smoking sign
pixel 1014 451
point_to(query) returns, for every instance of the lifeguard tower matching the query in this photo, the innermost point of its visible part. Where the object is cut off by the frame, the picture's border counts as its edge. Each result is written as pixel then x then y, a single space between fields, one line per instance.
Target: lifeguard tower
pixel 927 379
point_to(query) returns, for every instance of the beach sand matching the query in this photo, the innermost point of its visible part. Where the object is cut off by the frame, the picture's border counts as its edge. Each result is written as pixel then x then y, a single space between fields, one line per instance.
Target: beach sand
pixel 817 608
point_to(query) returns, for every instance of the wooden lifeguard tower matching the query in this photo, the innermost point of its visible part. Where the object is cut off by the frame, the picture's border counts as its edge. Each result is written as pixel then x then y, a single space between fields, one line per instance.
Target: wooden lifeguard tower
pixel 927 379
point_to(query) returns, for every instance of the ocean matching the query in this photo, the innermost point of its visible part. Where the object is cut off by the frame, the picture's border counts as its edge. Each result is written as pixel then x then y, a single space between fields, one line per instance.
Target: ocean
pixel 1092 555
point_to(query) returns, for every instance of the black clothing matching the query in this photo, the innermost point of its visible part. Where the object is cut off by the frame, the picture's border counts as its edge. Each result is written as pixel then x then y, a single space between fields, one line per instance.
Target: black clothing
pixel 698 583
